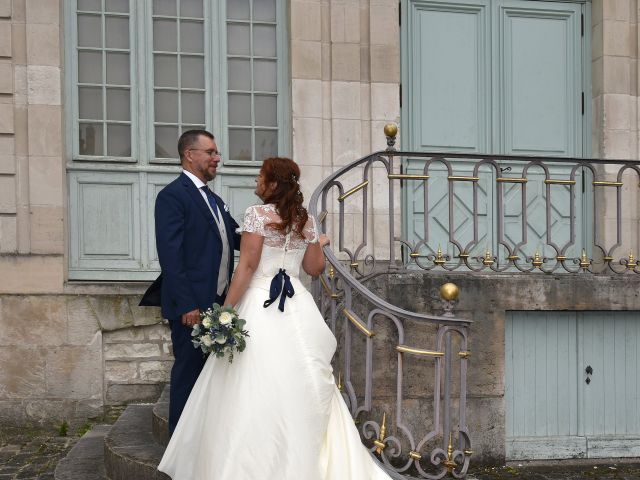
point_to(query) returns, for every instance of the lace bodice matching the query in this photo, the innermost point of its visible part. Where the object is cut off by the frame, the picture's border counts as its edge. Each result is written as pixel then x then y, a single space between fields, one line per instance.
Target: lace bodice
pixel 257 219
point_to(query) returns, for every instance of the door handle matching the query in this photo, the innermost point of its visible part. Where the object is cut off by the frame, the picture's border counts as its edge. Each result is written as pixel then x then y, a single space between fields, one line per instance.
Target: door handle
pixel 589 372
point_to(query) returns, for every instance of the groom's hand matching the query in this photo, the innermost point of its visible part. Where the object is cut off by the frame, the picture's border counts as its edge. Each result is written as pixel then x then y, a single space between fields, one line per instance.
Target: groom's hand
pixel 191 318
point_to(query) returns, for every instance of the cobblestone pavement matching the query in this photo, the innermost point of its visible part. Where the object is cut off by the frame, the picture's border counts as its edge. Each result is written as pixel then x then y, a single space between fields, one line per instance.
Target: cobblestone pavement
pixel 32 455
pixel 586 470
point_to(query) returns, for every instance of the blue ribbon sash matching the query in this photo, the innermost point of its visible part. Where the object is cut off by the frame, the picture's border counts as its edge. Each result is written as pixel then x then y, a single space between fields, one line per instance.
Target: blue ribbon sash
pixel 280 287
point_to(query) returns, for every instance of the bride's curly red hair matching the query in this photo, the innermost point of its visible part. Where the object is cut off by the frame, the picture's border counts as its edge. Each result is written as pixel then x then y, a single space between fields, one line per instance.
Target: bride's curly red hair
pixel 286 196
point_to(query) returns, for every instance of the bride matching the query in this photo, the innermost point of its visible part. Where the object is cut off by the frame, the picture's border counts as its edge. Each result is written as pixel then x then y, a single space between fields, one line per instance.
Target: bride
pixel 275 413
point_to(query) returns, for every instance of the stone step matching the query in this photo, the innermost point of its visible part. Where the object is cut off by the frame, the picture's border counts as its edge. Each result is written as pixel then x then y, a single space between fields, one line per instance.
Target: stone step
pixel 161 418
pixel 86 458
pixel 130 451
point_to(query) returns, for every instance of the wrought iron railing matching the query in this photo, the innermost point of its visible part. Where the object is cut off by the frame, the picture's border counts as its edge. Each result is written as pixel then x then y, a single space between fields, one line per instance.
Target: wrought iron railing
pixel 397 211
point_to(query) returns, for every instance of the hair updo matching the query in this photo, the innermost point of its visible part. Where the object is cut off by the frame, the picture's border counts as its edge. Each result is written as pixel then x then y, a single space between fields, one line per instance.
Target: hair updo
pixel 286 196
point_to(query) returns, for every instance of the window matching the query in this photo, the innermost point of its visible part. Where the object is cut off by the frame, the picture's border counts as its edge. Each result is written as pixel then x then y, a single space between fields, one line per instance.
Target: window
pixel 141 72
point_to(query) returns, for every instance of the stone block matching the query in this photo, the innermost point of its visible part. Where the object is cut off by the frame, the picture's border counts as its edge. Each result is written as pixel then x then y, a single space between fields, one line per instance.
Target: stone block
pixel 384 25
pixel 385 102
pixel 118 351
pixel 346 141
pixel 36 274
pixel 45 130
pixel 21 137
pixel 43 85
pixel 306 98
pixel 155 371
pixel 345 100
pixel 123 394
pixel 305 21
pixel 6 78
pixel 44 11
pixel 617 9
pixel 49 412
pixel 305 59
pixel 617 111
pixel 6 118
pixel 385 64
pixel 23 372
pixel 616 38
pixel 20 87
pixel 124 335
pixel 5 8
pixel 75 372
pixel 307 140
pixel 46 179
pixel 345 61
pixel 19 43
pixel 617 144
pixel 12 413
pixel 7 194
pixel 82 324
pixel 617 75
pixel 8 235
pixel 5 38
pixel 120 372
pixel 157 332
pixel 47 230
pixel 43 44
pixel 32 320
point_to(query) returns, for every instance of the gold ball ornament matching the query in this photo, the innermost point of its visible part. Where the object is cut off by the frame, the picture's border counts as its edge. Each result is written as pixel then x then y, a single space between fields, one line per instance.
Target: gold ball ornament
pixel 449 291
pixel 390 129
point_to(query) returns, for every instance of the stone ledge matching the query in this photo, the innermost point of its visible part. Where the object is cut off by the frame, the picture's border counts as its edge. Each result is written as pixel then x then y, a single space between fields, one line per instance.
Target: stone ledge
pixel 86 459
pixel 161 418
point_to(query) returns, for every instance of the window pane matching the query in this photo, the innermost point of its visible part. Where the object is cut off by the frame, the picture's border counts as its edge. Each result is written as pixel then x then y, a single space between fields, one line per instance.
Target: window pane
pixel 192 107
pixel 238 74
pixel 165 35
pixel 167 142
pixel 264 10
pixel 238 39
pixel 191 8
pixel 238 9
pixel 120 6
pixel 90 139
pixel 118 104
pixel 191 37
pixel 119 140
pixel 239 144
pixel 166 107
pixel 266 110
pixel 192 71
pixel 264 40
pixel 164 7
pixel 165 71
pixel 266 144
pixel 265 75
pixel 117 32
pixel 90 103
pixel 90 5
pixel 239 109
pixel 118 68
pixel 89 31
pixel 90 67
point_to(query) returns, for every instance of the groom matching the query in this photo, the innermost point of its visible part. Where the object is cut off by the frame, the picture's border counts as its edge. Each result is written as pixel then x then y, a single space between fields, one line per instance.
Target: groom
pixel 195 239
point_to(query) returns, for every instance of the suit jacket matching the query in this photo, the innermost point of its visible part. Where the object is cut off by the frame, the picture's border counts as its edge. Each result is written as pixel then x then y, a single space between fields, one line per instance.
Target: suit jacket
pixel 189 249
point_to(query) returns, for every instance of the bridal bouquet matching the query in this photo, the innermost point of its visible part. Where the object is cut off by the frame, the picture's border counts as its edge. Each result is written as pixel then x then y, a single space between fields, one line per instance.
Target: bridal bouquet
pixel 220 332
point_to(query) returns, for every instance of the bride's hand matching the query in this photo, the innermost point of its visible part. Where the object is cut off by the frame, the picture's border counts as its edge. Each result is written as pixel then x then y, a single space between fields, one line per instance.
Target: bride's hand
pixel 324 240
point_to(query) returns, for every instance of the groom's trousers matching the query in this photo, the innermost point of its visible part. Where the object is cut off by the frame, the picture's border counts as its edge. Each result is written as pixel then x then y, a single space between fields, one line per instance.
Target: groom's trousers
pixel 186 368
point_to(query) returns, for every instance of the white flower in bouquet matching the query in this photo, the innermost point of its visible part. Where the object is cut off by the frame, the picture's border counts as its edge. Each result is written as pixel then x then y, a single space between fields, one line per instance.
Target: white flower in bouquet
pixel 207 341
pixel 206 323
pixel 226 318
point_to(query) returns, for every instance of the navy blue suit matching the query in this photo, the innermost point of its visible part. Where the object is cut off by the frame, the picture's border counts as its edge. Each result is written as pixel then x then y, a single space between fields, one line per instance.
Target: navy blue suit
pixel 190 250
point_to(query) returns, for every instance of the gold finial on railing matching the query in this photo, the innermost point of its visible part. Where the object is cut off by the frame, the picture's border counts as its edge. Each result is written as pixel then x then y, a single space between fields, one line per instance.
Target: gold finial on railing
pixel 332 272
pixel 584 260
pixel 488 258
pixel 537 260
pixel 449 462
pixel 632 263
pixel 449 292
pixel 439 260
pixel 390 131
pixel 379 443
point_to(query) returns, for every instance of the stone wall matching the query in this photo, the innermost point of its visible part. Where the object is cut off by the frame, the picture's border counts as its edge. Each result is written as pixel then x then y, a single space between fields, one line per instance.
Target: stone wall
pixel 65 357
pixel 484 299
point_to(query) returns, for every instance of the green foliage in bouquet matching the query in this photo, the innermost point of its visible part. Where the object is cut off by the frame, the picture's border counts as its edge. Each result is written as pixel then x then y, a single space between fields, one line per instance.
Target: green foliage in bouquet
pixel 220 332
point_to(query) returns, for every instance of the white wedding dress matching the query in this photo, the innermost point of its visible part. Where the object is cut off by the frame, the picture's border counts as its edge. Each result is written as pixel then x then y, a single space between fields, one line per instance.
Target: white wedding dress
pixel 275 413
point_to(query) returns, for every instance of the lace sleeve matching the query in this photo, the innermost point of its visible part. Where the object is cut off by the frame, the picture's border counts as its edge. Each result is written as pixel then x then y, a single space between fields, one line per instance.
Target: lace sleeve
pixel 253 221
pixel 311 231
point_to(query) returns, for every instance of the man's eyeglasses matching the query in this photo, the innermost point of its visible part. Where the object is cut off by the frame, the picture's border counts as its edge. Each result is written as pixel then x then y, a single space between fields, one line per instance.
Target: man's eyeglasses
pixel 211 153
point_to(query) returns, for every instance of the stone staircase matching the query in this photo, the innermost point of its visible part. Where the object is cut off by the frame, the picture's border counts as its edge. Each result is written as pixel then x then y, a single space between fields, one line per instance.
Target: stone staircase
pixel 129 450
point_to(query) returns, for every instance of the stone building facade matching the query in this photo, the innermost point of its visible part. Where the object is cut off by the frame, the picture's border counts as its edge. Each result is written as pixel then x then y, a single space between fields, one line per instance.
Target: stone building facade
pixel 69 347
